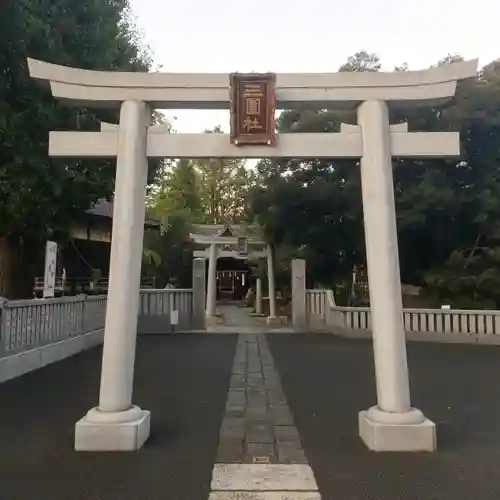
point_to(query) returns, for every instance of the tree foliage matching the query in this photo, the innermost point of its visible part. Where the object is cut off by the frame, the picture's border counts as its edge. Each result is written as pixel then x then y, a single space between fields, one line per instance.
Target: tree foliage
pixel 203 191
pixel 41 197
pixel 447 210
pixel 207 191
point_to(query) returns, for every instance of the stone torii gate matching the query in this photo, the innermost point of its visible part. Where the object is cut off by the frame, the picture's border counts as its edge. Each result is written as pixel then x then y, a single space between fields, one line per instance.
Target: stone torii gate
pixel 256 248
pixel 393 424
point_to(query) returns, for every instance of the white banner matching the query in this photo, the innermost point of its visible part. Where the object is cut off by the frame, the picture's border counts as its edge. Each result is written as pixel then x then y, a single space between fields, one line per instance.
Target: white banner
pixel 49 281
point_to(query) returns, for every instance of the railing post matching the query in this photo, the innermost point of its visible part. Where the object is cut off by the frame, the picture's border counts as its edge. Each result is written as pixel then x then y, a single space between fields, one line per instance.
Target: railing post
pixel 198 319
pixel 258 297
pixel 82 321
pixel 299 311
pixel 3 331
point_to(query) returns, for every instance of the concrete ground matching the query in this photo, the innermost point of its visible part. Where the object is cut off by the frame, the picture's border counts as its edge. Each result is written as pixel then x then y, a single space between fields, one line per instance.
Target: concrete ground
pixel 328 380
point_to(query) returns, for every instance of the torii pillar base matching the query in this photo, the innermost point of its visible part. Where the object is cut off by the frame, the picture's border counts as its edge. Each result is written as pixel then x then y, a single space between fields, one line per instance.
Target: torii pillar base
pixel 212 320
pixel 412 435
pixel 274 321
pixel 95 432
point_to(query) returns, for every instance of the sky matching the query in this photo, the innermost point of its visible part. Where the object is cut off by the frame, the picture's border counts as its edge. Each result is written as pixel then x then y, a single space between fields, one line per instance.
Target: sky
pixel 223 36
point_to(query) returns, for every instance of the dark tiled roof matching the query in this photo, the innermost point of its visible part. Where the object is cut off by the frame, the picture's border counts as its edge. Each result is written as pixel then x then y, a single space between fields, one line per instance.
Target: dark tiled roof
pixel 104 208
pixel 224 230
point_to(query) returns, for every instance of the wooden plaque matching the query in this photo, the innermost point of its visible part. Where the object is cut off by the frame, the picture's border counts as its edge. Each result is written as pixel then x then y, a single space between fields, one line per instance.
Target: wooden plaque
pixel 253 106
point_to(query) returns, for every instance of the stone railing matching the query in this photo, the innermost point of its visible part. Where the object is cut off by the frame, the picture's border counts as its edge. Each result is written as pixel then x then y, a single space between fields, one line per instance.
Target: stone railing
pixel 28 324
pixel 481 326
pixel 316 302
pixel 165 310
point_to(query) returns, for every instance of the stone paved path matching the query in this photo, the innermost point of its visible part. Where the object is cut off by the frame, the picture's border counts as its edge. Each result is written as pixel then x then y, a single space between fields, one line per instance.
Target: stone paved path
pixel 258 426
pixel 258 432
pixel 238 320
pixel 237 317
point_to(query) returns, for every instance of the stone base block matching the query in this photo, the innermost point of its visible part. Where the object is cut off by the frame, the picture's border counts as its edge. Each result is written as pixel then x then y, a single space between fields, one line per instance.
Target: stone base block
pixel 213 320
pixel 397 437
pixel 275 320
pixel 116 436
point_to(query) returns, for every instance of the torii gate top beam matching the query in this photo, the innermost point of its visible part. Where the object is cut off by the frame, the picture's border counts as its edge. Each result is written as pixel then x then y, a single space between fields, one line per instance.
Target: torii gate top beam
pixel 342 90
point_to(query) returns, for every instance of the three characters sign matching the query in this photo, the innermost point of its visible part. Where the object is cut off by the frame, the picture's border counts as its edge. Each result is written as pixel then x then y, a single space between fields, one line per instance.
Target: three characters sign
pixel 253 106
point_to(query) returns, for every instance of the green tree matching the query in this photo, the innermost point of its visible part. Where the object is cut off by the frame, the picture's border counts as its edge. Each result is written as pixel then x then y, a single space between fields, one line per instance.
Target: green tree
pixel 208 191
pixel 178 192
pixel 172 252
pixel 447 209
pixel 41 197
pixel 362 61
pixel 212 191
pixel 224 183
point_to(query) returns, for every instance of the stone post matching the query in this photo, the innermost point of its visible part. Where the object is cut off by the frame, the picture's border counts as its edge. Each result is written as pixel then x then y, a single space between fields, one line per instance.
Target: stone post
pixel 198 294
pixel 117 425
pixel 272 319
pixel 299 312
pixel 392 425
pixel 212 283
pixel 258 296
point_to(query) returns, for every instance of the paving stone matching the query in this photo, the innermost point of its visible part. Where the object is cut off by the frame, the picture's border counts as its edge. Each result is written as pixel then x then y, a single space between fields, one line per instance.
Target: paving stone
pixel 259 449
pixel 256 392
pixel 257 401
pixel 259 433
pixel 233 427
pixel 257 383
pixel 286 433
pixel 230 450
pixel 237 384
pixel 258 414
pixel 291 453
pixel 234 411
pixel 241 390
pixel 276 398
pixel 253 451
pixel 281 415
pixel 236 398
pixel 272 386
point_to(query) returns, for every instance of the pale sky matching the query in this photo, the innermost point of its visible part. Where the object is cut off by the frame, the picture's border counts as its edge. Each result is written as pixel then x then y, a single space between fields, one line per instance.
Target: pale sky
pixel 217 36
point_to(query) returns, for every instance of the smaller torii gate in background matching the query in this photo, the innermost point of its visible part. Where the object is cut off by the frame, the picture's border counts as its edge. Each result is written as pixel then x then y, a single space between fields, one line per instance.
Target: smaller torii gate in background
pixel 215 238
pixel 393 424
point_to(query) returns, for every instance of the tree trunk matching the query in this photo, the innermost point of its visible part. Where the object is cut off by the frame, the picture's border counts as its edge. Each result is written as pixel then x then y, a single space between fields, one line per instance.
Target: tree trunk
pixel 16 272
pixel 468 260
